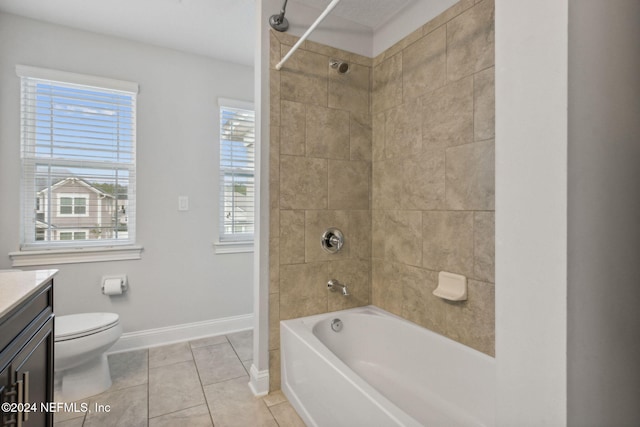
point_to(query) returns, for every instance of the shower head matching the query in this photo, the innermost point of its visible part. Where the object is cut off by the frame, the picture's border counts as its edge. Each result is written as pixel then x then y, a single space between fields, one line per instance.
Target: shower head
pixel 279 22
pixel 339 66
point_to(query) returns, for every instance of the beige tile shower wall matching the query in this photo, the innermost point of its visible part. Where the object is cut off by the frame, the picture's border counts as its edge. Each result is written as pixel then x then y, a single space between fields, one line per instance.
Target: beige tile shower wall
pixel 433 173
pixel 320 177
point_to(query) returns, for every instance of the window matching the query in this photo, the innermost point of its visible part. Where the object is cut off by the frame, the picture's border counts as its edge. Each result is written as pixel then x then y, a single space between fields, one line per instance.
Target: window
pixel 73 235
pixel 237 156
pixel 71 205
pixel 78 159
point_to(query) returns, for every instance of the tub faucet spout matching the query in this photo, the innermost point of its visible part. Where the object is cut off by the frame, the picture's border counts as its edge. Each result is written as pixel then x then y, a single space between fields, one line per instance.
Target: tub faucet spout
pixel 333 285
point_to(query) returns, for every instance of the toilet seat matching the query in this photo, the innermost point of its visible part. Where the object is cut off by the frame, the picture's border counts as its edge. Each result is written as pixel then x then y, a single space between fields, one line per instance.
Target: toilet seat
pixel 81 325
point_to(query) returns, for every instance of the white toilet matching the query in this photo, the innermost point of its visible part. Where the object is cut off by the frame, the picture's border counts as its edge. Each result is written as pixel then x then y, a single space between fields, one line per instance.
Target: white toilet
pixel 81 341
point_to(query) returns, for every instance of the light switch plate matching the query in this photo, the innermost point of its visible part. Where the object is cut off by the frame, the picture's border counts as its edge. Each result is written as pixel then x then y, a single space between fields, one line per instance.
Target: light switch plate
pixel 183 203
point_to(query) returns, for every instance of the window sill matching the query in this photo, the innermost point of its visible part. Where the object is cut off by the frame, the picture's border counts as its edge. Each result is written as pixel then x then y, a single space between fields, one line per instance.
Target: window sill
pixel 74 256
pixel 233 247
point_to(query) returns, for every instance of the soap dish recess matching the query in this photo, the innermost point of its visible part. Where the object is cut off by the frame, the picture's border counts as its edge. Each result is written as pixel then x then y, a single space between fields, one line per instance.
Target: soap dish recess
pixel 452 287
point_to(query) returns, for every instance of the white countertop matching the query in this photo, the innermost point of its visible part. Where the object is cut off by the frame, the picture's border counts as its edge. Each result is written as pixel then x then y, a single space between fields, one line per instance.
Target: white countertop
pixel 17 286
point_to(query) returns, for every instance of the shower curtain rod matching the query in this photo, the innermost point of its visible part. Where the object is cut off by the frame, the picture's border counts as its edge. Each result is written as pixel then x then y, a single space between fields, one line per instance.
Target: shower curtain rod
pixel 306 34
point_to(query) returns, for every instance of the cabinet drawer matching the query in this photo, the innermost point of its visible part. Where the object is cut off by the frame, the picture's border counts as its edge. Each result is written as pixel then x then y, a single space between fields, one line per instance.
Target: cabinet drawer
pixel 16 322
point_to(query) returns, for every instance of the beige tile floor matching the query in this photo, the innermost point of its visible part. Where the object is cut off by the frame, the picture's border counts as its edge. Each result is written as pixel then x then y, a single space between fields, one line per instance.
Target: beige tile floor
pixel 200 383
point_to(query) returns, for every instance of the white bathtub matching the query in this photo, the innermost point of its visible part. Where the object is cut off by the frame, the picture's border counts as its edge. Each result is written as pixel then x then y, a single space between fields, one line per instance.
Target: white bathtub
pixel 381 370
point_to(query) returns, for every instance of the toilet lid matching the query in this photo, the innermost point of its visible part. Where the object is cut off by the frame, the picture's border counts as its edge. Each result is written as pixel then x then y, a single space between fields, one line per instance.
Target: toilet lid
pixel 80 325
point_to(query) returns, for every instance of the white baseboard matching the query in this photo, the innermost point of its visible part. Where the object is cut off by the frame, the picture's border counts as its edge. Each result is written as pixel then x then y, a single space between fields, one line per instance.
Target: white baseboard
pixel 185 332
pixel 259 381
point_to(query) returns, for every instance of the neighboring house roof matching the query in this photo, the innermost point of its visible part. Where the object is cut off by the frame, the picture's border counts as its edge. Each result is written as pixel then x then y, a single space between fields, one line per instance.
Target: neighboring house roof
pixel 75 180
pixel 42 224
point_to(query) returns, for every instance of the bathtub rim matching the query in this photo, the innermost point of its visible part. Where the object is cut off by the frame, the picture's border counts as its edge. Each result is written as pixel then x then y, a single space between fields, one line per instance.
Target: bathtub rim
pixel 294 326
pixel 305 325
pixel 373 309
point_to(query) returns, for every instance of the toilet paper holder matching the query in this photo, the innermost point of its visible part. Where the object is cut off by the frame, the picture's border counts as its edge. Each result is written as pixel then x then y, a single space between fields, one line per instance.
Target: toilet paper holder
pixel 114 285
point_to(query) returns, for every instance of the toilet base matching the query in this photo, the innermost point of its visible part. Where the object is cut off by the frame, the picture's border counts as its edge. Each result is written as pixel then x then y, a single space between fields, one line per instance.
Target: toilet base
pixel 88 379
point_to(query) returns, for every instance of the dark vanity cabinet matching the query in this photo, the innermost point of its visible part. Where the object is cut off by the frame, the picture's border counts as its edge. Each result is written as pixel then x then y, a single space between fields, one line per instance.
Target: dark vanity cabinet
pixel 26 358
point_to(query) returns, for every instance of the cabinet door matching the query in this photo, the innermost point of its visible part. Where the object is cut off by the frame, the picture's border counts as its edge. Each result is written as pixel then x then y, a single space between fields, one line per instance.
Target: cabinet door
pixel 33 365
pixel 8 394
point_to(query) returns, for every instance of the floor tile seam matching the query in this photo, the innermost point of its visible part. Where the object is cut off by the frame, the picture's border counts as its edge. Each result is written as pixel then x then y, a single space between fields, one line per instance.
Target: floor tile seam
pixel 182 409
pixel 271 412
pixel 204 394
pixel 286 402
pixel 161 361
pixel 272 392
pixel 118 390
pixel 246 360
pixel 236 352
pixel 86 416
pixel 193 359
pixel 173 363
pixel 206 402
pixel 226 337
pixel 210 345
pixel 226 379
pixel 191 351
pixel 247 370
pixel 198 372
pixel 83 416
pixel 229 380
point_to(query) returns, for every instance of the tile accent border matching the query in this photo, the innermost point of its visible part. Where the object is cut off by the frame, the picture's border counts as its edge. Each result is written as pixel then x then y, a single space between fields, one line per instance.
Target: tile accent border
pixel 185 332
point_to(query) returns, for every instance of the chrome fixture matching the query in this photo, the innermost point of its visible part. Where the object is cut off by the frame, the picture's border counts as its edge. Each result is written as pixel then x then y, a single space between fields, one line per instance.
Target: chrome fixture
pixel 333 285
pixel 302 39
pixel 336 325
pixel 339 66
pixel 279 22
pixel 332 240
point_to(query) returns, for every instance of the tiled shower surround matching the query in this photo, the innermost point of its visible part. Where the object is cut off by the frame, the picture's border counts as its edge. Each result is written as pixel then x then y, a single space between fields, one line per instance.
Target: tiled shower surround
pixel 399 154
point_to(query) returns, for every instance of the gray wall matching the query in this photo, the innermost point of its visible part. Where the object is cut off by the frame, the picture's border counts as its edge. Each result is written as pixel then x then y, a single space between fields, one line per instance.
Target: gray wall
pixel 179 278
pixel 604 213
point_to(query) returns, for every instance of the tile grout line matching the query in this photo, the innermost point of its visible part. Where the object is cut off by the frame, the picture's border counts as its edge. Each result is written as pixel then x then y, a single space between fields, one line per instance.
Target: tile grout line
pixel 199 380
pixel 271 412
pixel 238 356
pixel 206 401
pixel 262 398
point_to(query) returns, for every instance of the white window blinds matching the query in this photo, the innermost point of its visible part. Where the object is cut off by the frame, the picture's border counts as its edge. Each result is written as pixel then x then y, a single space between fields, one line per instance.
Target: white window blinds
pixel 237 164
pixel 78 139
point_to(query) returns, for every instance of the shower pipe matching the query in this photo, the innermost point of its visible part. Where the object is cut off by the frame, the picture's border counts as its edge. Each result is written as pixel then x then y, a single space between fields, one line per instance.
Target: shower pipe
pixel 306 34
pixel 279 22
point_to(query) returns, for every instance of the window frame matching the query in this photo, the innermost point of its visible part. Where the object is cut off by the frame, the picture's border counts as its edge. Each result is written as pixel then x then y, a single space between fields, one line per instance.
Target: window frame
pixel 230 242
pixel 32 249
